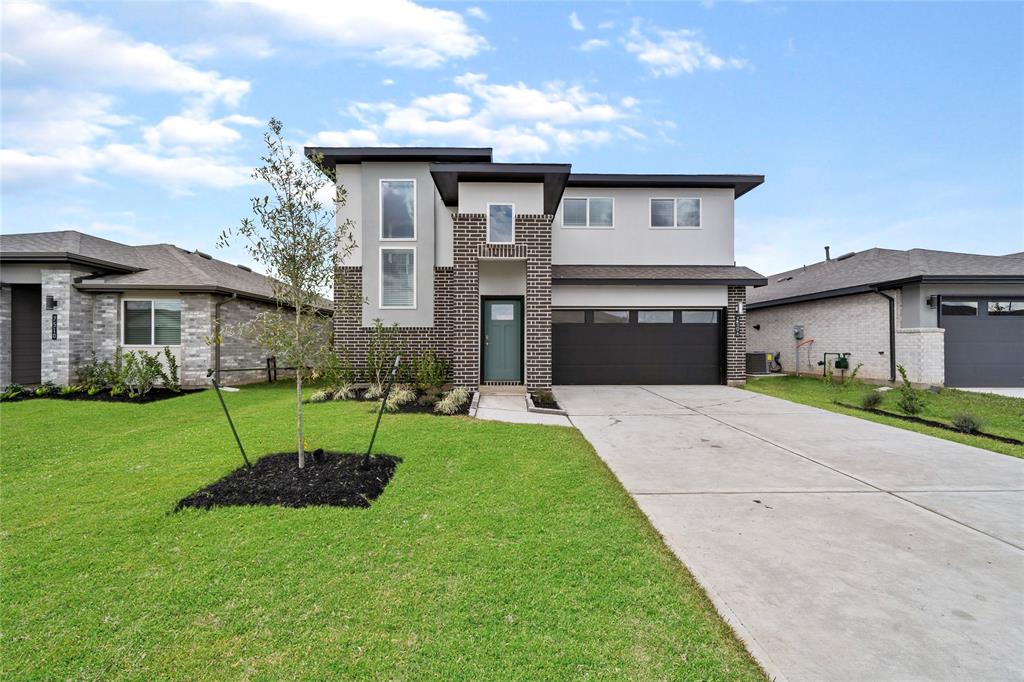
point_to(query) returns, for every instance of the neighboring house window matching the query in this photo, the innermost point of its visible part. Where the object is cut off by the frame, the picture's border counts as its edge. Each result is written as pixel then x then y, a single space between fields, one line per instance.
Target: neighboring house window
pixel 655 316
pixel 588 212
pixel 398 209
pixel 611 317
pixel 398 278
pixel 568 316
pixel 676 213
pixel 698 316
pixel 960 308
pixel 152 323
pixel 1005 308
pixel 501 223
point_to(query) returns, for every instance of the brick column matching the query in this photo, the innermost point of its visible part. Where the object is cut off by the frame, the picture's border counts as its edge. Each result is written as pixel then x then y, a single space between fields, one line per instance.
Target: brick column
pixel 196 335
pixel 535 231
pixel 469 231
pixel 736 338
pixel 106 325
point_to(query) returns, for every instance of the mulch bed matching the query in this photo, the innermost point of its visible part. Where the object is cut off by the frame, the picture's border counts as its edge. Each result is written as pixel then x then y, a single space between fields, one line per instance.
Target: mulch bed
pixel 336 479
pixel 413 407
pixel 930 422
pixel 104 396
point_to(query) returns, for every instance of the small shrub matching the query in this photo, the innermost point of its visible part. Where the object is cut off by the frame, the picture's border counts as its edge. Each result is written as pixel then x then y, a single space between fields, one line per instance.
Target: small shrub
pixel 344 392
pixel 321 396
pixel 71 390
pixel 452 401
pixel 965 422
pixel 47 388
pixel 871 400
pixel 400 395
pixel 141 372
pixel 170 375
pixel 383 348
pixel 12 391
pixel 93 390
pixel 374 392
pixel 910 400
pixel 852 379
pixel 430 371
pixel 116 391
pixel 830 374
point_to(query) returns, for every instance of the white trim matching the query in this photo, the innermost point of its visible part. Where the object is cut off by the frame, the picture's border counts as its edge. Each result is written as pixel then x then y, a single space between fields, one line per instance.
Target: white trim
pixel 380 210
pixel 152 323
pixel 588 226
pixel 501 203
pixel 675 212
pixel 380 277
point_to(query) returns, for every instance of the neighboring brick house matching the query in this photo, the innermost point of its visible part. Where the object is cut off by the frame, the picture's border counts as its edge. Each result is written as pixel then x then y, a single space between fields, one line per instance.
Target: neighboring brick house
pixel 957 319
pixel 66 295
pixel 528 275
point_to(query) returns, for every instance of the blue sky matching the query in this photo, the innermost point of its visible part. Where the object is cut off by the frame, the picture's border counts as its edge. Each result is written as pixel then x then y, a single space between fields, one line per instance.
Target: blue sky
pixel 894 125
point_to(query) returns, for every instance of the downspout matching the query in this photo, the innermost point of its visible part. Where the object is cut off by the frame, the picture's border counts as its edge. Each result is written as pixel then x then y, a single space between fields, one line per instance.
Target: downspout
pixel 892 333
pixel 216 334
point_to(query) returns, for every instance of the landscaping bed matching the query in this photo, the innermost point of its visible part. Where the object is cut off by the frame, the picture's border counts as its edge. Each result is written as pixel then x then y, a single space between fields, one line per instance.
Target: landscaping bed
pixel 106 396
pixel 413 401
pixel 545 400
pixel 336 479
pixel 930 422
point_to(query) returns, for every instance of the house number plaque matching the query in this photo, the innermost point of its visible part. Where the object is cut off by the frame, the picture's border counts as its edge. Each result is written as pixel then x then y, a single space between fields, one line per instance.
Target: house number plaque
pixel 53 327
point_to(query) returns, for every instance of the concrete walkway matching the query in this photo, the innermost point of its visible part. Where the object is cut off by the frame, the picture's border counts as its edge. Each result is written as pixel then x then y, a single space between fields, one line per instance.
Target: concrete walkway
pixel 1008 392
pixel 838 548
pixel 512 408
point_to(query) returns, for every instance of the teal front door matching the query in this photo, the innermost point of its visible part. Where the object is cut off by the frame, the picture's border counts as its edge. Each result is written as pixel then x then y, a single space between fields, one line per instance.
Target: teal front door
pixel 503 340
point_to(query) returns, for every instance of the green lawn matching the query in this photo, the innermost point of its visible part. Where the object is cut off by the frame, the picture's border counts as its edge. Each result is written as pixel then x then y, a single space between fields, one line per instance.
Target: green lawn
pixel 498 551
pixel 999 415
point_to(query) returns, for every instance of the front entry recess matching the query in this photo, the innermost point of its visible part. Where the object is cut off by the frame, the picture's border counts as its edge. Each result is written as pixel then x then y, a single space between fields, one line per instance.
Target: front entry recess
pixel 503 340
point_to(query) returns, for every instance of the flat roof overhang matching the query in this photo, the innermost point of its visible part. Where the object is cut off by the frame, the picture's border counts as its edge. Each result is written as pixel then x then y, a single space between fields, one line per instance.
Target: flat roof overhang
pixel 335 155
pixel 740 184
pixel 553 176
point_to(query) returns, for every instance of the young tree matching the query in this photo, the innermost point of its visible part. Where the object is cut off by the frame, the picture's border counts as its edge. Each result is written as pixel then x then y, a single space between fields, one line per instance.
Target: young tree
pixel 294 237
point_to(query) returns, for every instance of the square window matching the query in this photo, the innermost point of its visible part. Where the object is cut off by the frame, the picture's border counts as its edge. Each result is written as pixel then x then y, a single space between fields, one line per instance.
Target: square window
pixel 611 317
pixel 568 317
pixel 999 308
pixel 687 212
pixel 960 308
pixel 397 209
pixel 662 212
pixel 698 316
pixel 574 212
pixel 503 311
pixel 600 212
pixel 655 316
pixel 500 223
pixel 397 278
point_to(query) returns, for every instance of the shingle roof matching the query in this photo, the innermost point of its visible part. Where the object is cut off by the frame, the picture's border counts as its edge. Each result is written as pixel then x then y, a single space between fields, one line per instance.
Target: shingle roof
pixel 156 266
pixel 656 274
pixel 864 270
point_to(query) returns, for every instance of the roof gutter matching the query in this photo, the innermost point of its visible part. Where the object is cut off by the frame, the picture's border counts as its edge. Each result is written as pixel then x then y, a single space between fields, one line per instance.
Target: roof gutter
pixel 184 288
pixel 892 332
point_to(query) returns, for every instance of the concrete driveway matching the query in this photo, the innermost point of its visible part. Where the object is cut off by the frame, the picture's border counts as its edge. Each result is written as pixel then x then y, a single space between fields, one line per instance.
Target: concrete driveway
pixel 837 548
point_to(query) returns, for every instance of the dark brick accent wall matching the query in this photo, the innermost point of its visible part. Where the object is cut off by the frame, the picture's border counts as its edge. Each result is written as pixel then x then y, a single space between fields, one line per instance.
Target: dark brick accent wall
pixel 736 337
pixel 535 232
pixel 469 233
pixel 352 338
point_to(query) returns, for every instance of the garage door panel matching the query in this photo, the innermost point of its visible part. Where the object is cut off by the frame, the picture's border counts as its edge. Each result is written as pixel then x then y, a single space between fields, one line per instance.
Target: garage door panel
pixel 984 350
pixel 634 353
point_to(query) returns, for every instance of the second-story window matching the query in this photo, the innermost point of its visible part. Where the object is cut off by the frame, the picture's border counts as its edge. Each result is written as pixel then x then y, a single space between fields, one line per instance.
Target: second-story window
pixel 672 213
pixel 398 209
pixel 501 223
pixel 588 212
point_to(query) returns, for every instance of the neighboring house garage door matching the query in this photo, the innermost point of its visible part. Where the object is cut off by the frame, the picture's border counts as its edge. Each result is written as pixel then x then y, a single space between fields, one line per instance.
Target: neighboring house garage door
pixel 637 346
pixel 984 341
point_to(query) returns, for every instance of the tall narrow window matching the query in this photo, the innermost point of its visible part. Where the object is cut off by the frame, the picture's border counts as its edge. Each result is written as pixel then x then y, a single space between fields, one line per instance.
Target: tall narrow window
pixel 397 278
pixel 138 323
pixel 167 323
pixel 501 223
pixel 398 209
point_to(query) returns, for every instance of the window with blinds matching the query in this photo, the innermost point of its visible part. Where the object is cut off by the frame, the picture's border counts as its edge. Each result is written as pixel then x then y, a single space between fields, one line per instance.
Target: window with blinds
pixel 398 278
pixel 149 323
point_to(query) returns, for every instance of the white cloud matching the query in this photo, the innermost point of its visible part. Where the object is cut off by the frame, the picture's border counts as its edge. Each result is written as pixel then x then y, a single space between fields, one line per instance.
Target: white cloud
pixel 575 23
pixel 517 119
pixel 397 32
pixel 670 53
pixel 47 119
pixel 52 46
pixel 388 81
pixel 180 173
pixel 593 44
pixel 182 133
pixel 605 25
pixel 477 13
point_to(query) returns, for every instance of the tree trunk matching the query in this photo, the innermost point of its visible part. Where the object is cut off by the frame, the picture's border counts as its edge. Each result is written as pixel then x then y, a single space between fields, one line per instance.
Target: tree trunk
pixel 298 394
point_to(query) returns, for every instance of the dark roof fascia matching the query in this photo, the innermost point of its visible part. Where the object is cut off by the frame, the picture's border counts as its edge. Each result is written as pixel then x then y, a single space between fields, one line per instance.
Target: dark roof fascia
pixel 642 282
pixel 431 154
pixel 954 279
pixel 66 257
pixel 447 177
pixel 186 288
pixel 816 296
pixel 740 184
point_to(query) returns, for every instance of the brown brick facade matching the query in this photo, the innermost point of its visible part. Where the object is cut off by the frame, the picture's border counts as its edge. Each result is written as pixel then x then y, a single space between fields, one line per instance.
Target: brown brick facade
pixel 736 337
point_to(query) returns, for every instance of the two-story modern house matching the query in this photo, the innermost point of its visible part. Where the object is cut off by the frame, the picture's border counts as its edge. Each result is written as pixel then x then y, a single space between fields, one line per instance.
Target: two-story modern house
pixel 529 274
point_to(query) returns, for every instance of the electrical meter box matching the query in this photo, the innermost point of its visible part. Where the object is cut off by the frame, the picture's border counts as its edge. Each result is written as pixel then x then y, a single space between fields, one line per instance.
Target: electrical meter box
pixel 798 331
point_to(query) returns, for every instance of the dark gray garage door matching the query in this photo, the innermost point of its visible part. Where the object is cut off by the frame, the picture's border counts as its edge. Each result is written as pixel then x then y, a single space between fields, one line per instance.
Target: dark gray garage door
pixel 984 341
pixel 637 346
pixel 26 332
